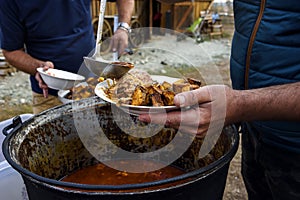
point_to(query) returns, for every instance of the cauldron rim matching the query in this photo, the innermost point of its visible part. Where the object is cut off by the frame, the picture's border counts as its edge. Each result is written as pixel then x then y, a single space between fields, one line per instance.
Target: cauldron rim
pixel 201 172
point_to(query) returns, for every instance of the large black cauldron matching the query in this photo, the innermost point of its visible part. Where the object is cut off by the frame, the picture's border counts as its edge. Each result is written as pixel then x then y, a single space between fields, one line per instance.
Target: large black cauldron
pixel 47 147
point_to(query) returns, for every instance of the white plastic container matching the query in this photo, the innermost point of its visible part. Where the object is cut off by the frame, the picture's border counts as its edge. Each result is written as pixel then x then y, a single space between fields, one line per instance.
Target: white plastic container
pixel 12 186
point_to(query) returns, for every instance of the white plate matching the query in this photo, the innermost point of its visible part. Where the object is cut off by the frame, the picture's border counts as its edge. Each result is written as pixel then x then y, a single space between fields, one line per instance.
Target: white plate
pixel 59 79
pixel 62 94
pixel 137 110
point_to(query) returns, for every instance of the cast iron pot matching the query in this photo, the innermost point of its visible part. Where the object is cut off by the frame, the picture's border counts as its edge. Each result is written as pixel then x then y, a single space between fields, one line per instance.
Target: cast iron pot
pixel 48 147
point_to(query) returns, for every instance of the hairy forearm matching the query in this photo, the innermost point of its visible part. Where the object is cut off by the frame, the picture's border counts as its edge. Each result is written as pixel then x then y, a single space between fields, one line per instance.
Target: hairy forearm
pixel 22 61
pixel 280 102
pixel 125 9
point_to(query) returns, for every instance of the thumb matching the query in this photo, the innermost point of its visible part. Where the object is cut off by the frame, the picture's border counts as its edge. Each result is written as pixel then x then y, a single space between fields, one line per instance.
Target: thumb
pixel 193 97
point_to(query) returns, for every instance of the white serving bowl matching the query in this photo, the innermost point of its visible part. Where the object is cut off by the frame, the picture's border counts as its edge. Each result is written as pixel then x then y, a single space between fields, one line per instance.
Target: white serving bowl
pixel 59 79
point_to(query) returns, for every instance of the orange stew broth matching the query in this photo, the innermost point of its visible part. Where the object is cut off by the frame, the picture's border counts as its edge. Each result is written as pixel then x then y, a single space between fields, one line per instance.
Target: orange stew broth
pixel 100 174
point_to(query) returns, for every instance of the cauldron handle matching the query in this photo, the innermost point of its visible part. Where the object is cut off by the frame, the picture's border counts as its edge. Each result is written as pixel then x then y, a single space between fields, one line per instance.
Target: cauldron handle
pixel 16 124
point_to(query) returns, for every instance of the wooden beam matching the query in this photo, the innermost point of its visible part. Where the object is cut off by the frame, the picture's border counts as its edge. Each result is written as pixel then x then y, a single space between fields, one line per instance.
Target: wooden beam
pixel 184 17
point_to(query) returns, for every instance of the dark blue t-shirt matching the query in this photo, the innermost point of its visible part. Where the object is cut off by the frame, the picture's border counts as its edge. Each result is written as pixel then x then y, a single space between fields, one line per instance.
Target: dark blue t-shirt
pixel 57 30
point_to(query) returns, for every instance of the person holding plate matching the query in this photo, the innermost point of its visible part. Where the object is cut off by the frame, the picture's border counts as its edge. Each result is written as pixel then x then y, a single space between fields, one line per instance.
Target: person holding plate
pixel 265 99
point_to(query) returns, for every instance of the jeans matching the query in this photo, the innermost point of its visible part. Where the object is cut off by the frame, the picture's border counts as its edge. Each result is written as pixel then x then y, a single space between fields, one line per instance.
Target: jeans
pixel 268 172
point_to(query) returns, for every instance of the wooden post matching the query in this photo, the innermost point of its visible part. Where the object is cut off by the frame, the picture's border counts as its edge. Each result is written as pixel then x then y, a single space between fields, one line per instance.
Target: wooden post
pixel 151 16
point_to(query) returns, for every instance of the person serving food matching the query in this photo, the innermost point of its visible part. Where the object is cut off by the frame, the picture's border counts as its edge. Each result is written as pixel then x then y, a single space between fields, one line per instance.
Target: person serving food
pixel 34 36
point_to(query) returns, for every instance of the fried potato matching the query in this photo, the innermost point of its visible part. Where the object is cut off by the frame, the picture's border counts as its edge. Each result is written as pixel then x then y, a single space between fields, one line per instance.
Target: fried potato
pixel 168 98
pixel 146 92
pixel 181 87
pixel 156 100
pixel 139 96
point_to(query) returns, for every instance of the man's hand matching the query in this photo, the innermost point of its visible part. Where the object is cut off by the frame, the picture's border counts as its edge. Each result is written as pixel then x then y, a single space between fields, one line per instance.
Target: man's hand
pixel 46 65
pixel 197 110
pixel 120 38
pixel 119 41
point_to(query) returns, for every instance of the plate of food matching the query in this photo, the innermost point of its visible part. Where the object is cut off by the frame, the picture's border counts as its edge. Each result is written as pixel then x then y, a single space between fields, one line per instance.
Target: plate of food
pixel 80 91
pixel 137 92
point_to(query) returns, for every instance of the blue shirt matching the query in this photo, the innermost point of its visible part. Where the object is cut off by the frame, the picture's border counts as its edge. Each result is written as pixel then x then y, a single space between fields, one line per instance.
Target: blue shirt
pixel 50 30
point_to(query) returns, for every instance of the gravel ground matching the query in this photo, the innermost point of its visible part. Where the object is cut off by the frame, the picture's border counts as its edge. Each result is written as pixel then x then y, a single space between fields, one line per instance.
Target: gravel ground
pixel 211 58
pixel 15 89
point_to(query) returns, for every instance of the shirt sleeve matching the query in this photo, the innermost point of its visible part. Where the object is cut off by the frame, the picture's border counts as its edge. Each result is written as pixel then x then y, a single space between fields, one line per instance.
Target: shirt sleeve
pixel 12 30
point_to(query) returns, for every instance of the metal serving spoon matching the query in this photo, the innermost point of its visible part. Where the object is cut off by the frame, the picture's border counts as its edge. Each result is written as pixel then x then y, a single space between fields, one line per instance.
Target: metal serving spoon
pixel 100 66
